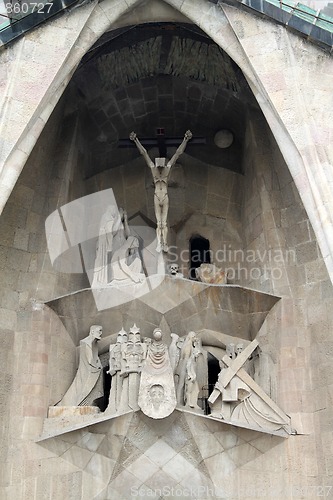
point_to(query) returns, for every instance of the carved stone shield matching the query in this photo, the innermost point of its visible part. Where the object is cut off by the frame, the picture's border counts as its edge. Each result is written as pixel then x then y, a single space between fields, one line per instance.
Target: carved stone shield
pixel 157 396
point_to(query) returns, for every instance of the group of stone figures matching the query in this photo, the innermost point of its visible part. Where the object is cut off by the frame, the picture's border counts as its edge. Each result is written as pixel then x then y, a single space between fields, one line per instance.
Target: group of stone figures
pixel 115 237
pixel 115 240
pixel 114 233
pixel 147 374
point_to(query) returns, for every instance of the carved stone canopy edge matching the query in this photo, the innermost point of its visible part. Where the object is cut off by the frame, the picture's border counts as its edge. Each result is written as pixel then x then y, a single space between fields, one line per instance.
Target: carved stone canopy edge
pixel 80 423
pixel 75 424
pixel 281 432
pixel 78 310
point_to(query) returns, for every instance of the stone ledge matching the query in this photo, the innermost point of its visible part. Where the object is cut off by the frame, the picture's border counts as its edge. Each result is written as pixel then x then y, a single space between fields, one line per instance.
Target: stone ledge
pixel 72 411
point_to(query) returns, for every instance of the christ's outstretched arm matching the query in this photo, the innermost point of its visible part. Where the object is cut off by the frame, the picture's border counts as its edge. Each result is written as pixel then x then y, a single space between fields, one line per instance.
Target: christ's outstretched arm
pixel 181 148
pixel 142 150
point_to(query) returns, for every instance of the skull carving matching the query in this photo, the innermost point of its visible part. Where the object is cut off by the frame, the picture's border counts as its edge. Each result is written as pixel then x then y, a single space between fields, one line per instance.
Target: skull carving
pixel 173 269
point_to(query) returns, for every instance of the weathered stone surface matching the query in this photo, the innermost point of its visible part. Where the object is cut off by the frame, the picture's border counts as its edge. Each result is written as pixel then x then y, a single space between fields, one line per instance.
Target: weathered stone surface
pixel 209 273
pixel 157 395
pixel 256 212
pixel 72 411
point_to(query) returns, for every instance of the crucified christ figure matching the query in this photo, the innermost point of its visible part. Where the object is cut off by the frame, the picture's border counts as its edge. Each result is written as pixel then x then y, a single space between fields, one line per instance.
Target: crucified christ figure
pixel 161 171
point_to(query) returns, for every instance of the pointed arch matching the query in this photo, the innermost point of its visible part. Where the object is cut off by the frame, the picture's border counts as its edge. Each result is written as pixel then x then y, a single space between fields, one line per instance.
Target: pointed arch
pixel 281 68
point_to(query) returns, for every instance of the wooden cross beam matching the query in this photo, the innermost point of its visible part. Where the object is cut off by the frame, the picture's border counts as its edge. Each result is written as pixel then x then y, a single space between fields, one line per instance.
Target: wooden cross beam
pixel 245 377
pixel 160 141
pixel 237 363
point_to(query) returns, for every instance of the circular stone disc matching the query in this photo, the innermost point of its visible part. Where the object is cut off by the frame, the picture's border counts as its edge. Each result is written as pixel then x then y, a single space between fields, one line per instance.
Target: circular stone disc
pixel 223 139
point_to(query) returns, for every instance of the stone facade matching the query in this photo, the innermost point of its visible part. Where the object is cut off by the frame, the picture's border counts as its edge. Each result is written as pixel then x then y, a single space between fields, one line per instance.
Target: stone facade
pixel 274 210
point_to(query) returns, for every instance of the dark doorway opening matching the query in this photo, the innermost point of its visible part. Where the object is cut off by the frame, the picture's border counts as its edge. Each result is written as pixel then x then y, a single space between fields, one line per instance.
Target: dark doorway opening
pixel 103 402
pixel 199 253
pixel 213 373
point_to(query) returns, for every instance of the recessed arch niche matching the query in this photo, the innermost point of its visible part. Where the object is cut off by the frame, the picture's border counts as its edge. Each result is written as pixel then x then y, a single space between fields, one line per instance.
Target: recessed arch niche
pixel 252 208
pixel 199 253
pixel 171 76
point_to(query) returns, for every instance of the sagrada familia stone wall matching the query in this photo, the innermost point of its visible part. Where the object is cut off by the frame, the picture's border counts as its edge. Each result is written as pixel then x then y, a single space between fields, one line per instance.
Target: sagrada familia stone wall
pixel 129 368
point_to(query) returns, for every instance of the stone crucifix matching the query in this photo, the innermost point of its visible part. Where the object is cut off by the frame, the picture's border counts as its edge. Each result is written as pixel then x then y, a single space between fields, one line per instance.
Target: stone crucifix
pixel 161 172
